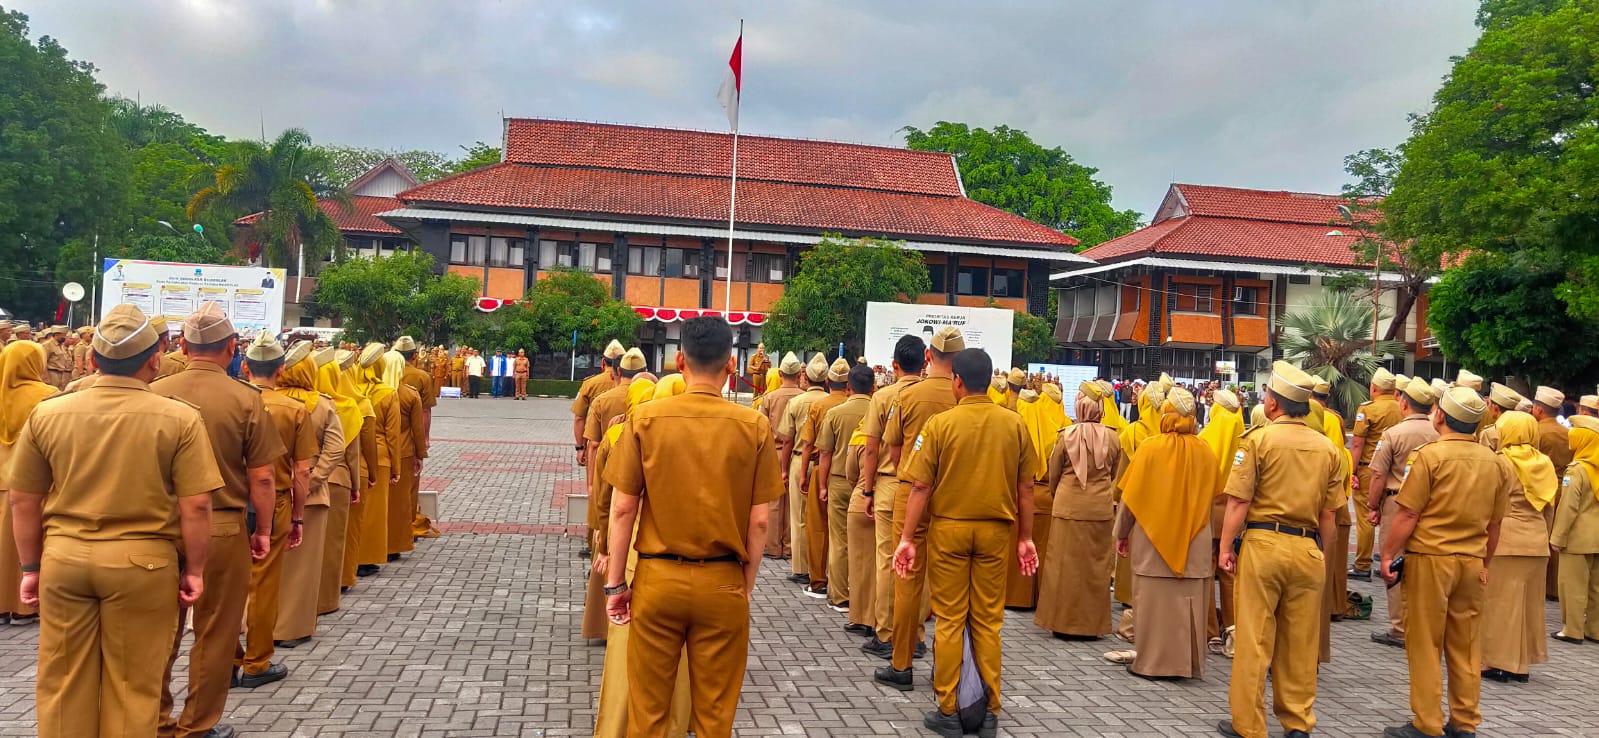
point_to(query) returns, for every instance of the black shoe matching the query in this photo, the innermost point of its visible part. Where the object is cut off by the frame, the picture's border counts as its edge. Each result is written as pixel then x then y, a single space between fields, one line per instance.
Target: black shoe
pixel 24 619
pixel 948 726
pixel 921 650
pixel 366 570
pixel 1387 639
pixel 344 590
pixel 393 558
pixel 1364 576
pixel 1075 637
pixel 292 643
pixel 990 727
pixel 800 578
pixel 1296 734
pixel 816 592
pixel 900 680
pixel 1458 733
pixel 1560 636
pixel 233 681
pixel 1225 728
pixel 585 553
pixel 880 649
pixel 858 629
pixel 273 673
pixel 221 730
pixel 1408 730
pixel 1498 675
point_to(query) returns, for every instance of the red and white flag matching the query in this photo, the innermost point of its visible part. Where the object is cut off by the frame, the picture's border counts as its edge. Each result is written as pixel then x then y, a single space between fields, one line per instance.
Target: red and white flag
pixel 731 84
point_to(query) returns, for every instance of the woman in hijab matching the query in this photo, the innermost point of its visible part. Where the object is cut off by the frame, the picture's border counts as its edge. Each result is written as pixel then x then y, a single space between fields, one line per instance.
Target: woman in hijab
pixel 1112 415
pixel 1575 535
pixel 330 382
pixel 1163 528
pixel 1222 434
pixel 1074 581
pixel 366 463
pixel 1147 426
pixel 402 512
pixel 1513 637
pixel 302 566
pixel 373 549
pixel 1044 416
pixel 22 387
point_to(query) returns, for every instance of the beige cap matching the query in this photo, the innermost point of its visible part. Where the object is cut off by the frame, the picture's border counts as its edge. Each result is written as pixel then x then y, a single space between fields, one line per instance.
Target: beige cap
pixel 406 343
pixel 1182 401
pixel 1291 382
pixel 633 360
pixel 298 352
pixel 790 365
pixel 1463 404
pixel 345 357
pixel 1383 380
pixel 1589 401
pixel 371 354
pixel 614 350
pixel 1091 389
pixel 998 382
pixel 1504 397
pixel 1053 392
pixel 124 333
pixel 1420 392
pixel 1156 394
pixel 1257 415
pixel 1549 397
pixel 816 370
pixel 860 360
pixel 1439 387
pixel 1106 389
pixel 1585 422
pixel 948 340
pixel 159 323
pixel 22 326
pixel 1027 395
pixel 209 324
pixel 265 347
pixel 325 356
pixel 760 347
pixel 1323 387
pixel 1226 398
pixel 1166 381
pixel 84 330
pixel 839 371
pixel 1469 380
pixel 58 330
pixel 1017 377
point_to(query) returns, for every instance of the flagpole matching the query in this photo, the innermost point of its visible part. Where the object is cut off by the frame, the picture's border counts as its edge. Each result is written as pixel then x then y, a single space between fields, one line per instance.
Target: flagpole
pixel 732 199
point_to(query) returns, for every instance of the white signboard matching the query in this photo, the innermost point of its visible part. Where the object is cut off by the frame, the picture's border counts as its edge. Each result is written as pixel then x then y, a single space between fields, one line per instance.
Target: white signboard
pixel 1070 376
pixel 986 328
pixel 251 296
pixel 1226 367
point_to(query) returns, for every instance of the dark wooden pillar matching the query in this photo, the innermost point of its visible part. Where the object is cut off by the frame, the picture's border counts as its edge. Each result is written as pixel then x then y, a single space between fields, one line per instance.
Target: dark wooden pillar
pixel 619 262
pixel 530 260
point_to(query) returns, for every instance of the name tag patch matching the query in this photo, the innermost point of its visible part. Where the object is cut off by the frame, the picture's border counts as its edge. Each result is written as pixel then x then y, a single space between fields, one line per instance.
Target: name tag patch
pixel 1238 458
pixel 1359 417
pixel 1565 481
pixel 918 445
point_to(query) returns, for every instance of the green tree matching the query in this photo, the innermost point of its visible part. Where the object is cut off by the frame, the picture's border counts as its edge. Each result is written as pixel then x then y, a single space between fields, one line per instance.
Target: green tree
pixel 1409 263
pixel 63 174
pixel 825 303
pixel 1330 337
pixel 384 298
pixel 477 155
pixel 1005 168
pixel 283 181
pixel 1032 339
pixel 1493 315
pixel 349 162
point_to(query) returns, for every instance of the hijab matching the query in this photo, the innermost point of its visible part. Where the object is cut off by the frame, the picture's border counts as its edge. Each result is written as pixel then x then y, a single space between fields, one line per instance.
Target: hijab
pixel 1044 417
pixel 1111 415
pixel 670 385
pixel 329 382
pixel 21 386
pixel 299 382
pixel 1222 434
pixel 370 380
pixel 351 385
pixel 1518 442
pixel 639 391
pixel 393 370
pixel 1170 485
pixel 1089 443
pixel 1585 450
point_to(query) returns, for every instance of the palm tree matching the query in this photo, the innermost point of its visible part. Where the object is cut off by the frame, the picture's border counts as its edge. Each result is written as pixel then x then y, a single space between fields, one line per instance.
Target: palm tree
pixel 283 182
pixel 1330 337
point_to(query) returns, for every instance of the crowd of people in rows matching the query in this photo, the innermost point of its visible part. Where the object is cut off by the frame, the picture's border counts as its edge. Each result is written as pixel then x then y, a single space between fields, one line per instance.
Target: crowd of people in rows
pixel 153 487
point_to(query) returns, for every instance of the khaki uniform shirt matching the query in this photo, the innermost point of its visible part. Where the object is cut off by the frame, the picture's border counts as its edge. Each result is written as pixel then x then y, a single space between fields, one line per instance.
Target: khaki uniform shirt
pixel 413 439
pixel 388 432
pixel 775 402
pixel 112 460
pixel 1488 435
pixel 1372 419
pixel 1576 527
pixel 422 382
pixel 295 430
pixel 1524 530
pixel 80 359
pixel 1288 473
pixel 1095 501
pixel 813 416
pixel 1555 442
pixel 837 425
pixel 57 357
pixel 608 405
pixel 916 405
pixel 974 456
pixel 794 415
pixel 1396 446
pixel 236 422
pixel 703 514
pixel 590 389
pixel 173 362
pixel 521 367
pixel 1458 488
pixel 876 420
pixel 330 450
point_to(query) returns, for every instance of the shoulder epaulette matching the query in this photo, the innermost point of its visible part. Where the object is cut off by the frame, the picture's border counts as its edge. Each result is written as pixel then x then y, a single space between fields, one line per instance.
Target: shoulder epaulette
pixel 185 402
pixel 247 384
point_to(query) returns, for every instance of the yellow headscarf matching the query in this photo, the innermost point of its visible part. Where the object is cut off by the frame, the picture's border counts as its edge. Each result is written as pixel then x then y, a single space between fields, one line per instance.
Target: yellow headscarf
pixel 1169 487
pixel 1585 450
pixel 21 386
pixel 670 385
pixel 1044 417
pixel 1113 415
pixel 299 382
pixel 639 391
pixel 1222 435
pixel 329 381
pixel 1148 425
pixel 370 381
pixel 1518 442
pixel 1330 426
pixel 393 370
pixel 351 384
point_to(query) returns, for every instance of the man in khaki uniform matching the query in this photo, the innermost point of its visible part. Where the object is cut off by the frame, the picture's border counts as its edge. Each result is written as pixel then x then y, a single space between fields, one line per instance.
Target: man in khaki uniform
pixel 1371 420
pixel 699 537
pixel 1387 474
pixel 80 353
pixel 23 332
pixel 244 446
pixel 1575 536
pixel 1501 399
pixel 591 388
pixel 291 481
pixel 972 469
pixel 1453 497
pixel 1588 405
pixel 773 404
pixel 788 447
pixel 101 551
pixel 817 531
pixel 1287 483
pixel 832 444
pixel 916 405
pixel 880 485
pixel 1015 382
pixel 1555 442
pixel 5 332
pixel 57 357
pixel 606 407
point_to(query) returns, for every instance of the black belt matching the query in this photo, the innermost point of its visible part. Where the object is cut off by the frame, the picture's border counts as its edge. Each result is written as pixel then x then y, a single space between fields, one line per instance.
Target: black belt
pixel 1390 492
pixel 725 558
pixel 798 453
pixel 1287 530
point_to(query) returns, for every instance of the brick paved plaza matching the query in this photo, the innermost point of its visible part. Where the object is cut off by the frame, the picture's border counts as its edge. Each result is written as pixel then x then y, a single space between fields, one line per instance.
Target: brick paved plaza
pixel 475 634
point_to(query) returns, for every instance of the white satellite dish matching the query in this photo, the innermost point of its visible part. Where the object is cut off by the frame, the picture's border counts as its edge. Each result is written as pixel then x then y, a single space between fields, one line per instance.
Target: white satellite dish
pixel 72 291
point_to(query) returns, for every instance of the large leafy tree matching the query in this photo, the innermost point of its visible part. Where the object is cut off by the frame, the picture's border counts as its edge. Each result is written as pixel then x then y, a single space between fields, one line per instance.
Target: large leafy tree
pixel 1494 314
pixel 1032 339
pixel 1330 337
pixel 477 155
pixel 1005 168
pixel 384 298
pixel 282 181
pixel 63 174
pixel 1408 262
pixel 561 303
pixel 825 303
pixel 349 162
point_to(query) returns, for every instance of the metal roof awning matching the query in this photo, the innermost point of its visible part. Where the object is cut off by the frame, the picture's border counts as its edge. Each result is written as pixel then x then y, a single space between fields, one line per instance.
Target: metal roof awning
pixel 1219 266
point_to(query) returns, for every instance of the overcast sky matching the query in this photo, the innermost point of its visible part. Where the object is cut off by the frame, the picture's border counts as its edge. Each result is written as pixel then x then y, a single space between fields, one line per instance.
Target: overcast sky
pixel 1255 93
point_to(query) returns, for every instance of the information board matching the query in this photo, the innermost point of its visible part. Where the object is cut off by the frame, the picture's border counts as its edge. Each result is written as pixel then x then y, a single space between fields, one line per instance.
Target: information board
pixel 986 328
pixel 251 296
pixel 1070 375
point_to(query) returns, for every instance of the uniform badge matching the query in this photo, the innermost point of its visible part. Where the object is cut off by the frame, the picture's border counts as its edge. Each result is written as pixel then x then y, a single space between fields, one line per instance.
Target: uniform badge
pixel 1359 417
pixel 1238 458
pixel 918 445
pixel 1565 481
pixel 1379 446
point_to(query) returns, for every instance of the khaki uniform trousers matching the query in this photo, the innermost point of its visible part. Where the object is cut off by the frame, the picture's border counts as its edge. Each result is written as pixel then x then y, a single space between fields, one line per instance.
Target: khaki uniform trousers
pixel 217 618
pixel 882 502
pixel 610 718
pixel 1022 592
pixel 266 579
pixel 700 608
pixel 1365 532
pixel 1579 595
pixel 799 563
pixel 373 546
pixel 108 611
pixel 328 597
pixel 1396 595
pixel 778 543
pixel 838 498
pixel 966 574
pixel 1279 611
pixel 816 526
pixel 402 508
pixel 1214 627
pixel 862 536
pixel 352 534
pixel 911 591
pixel 1444 617
pixel 302 578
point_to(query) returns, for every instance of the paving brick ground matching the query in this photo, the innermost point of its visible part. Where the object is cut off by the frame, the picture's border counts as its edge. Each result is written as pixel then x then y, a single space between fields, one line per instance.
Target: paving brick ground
pixel 475 635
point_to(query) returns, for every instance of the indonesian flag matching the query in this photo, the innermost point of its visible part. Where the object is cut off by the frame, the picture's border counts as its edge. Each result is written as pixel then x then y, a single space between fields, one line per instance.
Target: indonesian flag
pixel 731 84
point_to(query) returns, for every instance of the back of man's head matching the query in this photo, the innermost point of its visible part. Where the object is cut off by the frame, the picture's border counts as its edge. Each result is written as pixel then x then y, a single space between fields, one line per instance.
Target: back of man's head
pixel 973 367
pixel 706 344
pixel 910 353
pixel 861 378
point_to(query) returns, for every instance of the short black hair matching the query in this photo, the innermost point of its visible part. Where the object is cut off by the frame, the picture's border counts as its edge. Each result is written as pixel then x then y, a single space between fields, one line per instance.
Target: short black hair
pixel 209 348
pixel 263 369
pixel 974 367
pixel 124 367
pixel 1291 408
pixel 1459 426
pixel 1417 407
pixel 941 355
pixel 910 353
pixel 707 343
pixel 861 378
pixel 408 354
pixel 631 373
pixel 837 386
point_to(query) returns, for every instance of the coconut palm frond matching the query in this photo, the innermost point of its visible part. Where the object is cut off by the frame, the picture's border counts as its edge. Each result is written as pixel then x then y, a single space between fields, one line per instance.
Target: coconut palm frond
pixel 1331 337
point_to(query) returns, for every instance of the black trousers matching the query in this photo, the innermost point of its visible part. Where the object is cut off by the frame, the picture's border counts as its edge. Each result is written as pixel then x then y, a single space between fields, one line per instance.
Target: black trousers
pixel 474 385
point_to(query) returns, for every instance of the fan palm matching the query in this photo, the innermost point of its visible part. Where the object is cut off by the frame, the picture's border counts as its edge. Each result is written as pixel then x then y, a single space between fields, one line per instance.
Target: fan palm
pixel 1330 337
pixel 284 182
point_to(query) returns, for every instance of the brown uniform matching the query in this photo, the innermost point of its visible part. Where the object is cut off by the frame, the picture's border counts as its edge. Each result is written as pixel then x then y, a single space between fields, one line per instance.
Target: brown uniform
pixel 302 567
pixel 700 605
pixel 1074 585
pixel 374 536
pixel 1555 442
pixel 413 443
pixel 973 457
pixel 835 428
pixel 342 483
pixel 790 427
pixel 1372 419
pixel 778 542
pixel 818 531
pixel 80 359
pixel 1458 489
pixel 108 589
pixel 368 474
pixel 1515 637
pixel 1393 452
pixel 885 487
pixel 1289 474
pixel 1576 532
pixel 172 362
pixel 241 438
pixel 916 405
pixel 302 439
pixel 57 363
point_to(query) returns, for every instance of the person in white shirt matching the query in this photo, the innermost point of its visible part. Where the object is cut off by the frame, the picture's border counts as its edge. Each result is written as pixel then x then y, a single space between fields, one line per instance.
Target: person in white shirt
pixel 474 373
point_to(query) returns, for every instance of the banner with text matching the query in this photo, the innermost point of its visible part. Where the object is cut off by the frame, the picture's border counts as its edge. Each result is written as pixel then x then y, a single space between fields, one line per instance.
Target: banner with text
pixel 988 329
pixel 251 296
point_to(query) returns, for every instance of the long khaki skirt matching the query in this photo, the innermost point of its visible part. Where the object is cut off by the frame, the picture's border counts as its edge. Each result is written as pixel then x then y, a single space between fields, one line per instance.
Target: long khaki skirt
pixel 1513 633
pixel 1074 583
pixel 302 579
pixel 1169 617
pixel 328 599
pixel 1021 593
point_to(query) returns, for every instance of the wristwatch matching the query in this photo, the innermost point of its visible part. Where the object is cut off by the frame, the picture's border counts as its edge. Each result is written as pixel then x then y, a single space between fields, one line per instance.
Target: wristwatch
pixel 297 522
pixel 579 447
pixel 613 591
